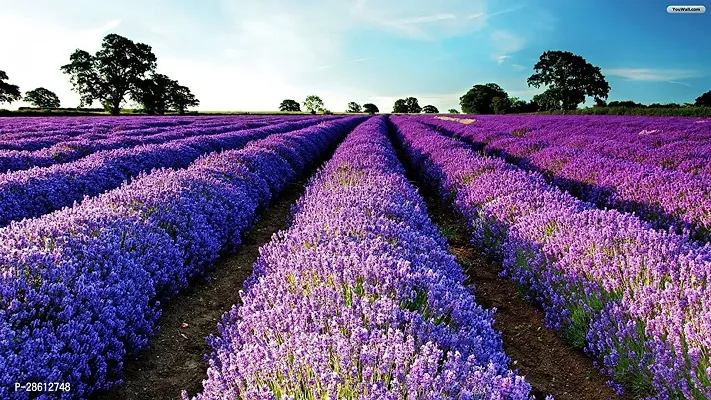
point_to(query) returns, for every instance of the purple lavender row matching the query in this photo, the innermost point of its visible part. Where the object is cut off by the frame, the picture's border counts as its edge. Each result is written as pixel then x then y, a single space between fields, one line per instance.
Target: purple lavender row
pixel 677 144
pixel 637 299
pixel 668 199
pixel 71 151
pixel 26 127
pixel 50 138
pixel 81 288
pixel 359 299
pixel 38 191
pixel 95 133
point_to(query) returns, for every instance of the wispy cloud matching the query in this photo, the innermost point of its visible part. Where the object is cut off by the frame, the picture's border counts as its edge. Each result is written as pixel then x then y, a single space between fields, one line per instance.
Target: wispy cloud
pixel 504 43
pixel 652 75
pixel 357 60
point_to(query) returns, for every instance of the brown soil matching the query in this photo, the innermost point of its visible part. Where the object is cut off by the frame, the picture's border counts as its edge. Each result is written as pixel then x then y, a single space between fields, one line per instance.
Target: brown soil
pixel 174 360
pixel 548 363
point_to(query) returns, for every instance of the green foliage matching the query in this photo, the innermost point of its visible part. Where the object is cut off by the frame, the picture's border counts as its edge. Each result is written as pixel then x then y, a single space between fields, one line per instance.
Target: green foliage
pixel 501 105
pixel 158 94
pixel 704 100
pixel 354 107
pixel 313 104
pixel 409 105
pixel 370 108
pixel 115 71
pixel 688 111
pixel 42 98
pixel 8 92
pixel 430 109
pixel 327 111
pixel 480 98
pixel 153 93
pixel 180 98
pixel 569 78
pixel 548 100
pixel 452 111
pixel 289 105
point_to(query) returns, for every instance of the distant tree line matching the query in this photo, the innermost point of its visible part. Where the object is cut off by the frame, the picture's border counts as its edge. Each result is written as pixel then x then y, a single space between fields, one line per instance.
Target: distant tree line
pixel 121 70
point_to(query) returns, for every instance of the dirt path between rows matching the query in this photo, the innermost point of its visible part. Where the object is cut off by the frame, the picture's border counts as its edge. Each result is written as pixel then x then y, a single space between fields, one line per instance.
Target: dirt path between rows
pixel 175 359
pixel 547 362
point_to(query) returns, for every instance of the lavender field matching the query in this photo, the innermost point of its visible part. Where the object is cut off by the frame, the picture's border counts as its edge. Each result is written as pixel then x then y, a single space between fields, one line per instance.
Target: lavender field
pixel 603 223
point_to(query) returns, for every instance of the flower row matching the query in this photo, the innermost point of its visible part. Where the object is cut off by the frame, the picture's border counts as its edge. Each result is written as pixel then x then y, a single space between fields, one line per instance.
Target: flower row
pixel 667 199
pixel 636 298
pixel 74 149
pixel 80 288
pixel 38 191
pixel 359 298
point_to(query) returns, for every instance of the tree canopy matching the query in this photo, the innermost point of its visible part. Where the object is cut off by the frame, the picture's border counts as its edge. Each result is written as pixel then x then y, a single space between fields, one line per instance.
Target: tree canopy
pixel 480 98
pixel 430 109
pixel 370 108
pixel 114 72
pixel 409 105
pixel 569 78
pixel 154 93
pixel 314 104
pixel 704 99
pixel 501 104
pixel 181 98
pixel 42 98
pixel 8 92
pixel 548 101
pixel 289 105
pixel 354 107
pixel 452 111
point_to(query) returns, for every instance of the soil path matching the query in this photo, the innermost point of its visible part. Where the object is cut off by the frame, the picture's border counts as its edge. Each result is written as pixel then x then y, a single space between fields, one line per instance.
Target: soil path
pixel 174 360
pixel 547 362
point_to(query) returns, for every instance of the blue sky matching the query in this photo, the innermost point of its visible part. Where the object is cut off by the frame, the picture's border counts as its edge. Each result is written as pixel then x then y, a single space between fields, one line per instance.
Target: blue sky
pixel 251 54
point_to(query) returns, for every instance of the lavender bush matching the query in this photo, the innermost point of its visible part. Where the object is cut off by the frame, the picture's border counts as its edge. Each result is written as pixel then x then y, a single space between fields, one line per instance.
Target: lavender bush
pixel 636 298
pixel 359 298
pixel 669 199
pixel 35 192
pixel 80 288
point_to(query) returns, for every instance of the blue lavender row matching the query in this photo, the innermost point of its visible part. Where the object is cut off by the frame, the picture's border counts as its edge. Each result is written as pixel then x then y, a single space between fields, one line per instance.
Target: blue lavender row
pixel 359 299
pixel 73 150
pixel 80 288
pixel 637 299
pixel 38 191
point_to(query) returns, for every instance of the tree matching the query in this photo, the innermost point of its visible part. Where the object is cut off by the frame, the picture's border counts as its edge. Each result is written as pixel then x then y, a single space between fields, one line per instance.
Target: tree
pixel 400 106
pixel 181 98
pixel 571 78
pixel 479 99
pixel 112 73
pixel 430 109
pixel 453 111
pixel 548 101
pixel 703 100
pixel 154 93
pixel 370 108
pixel 519 106
pixel 289 105
pixel 42 98
pixel 8 92
pixel 353 107
pixel 501 105
pixel 409 105
pixel 313 104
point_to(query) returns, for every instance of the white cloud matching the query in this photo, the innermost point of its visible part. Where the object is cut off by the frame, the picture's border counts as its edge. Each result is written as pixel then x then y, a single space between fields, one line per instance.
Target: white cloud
pixel 652 75
pixel 504 43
